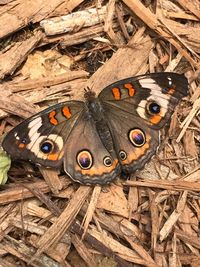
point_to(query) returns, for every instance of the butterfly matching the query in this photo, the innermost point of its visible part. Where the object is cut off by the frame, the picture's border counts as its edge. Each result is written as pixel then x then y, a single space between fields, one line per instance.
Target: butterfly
pixel 97 140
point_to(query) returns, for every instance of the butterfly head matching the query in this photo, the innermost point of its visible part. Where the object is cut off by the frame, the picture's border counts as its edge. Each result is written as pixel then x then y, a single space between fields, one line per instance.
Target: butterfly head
pixel 89 95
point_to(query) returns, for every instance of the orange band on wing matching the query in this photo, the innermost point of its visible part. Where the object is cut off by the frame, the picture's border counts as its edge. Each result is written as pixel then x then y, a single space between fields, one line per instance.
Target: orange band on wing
pixel 52 156
pixel 98 170
pixel 52 118
pixel 131 90
pixel 66 112
pixel 55 156
pixel 171 91
pixel 21 145
pixel 137 152
pixel 116 93
pixel 155 119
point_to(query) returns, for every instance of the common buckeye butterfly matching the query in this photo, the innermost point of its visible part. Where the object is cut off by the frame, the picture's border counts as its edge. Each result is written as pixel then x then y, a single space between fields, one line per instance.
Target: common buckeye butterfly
pixel 96 140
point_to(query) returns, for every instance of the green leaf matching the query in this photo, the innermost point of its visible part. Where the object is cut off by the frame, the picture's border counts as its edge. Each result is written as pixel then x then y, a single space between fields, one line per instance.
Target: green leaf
pixel 5 163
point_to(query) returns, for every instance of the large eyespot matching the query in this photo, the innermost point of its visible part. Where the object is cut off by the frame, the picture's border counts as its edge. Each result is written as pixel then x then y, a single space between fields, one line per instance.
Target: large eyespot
pixel 84 159
pixel 107 161
pixel 122 155
pixel 153 108
pixel 137 137
pixel 47 146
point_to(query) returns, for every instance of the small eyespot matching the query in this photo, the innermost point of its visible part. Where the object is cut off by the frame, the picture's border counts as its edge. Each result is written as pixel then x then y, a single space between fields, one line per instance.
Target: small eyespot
pixel 84 159
pixel 47 147
pixel 24 141
pixel 170 81
pixel 122 155
pixel 137 137
pixel 153 108
pixel 107 161
pixel 16 136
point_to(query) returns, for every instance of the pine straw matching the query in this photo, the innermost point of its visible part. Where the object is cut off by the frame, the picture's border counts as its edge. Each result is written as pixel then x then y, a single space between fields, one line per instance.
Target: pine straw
pixel 151 220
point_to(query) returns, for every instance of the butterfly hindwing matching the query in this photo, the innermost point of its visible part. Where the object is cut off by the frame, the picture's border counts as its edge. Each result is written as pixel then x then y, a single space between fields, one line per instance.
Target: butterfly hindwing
pixel 87 160
pixel 135 143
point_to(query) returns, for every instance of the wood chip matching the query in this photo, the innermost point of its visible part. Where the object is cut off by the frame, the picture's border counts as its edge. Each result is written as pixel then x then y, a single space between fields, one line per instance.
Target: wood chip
pixel 55 232
pixel 19 15
pixel 14 57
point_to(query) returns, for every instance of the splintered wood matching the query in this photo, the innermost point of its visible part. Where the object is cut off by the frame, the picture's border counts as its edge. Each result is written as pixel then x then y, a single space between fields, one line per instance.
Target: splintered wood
pixel 49 52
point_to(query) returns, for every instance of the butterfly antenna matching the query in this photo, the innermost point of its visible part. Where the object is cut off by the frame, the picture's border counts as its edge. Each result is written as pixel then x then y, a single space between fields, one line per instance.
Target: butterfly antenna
pixel 87 89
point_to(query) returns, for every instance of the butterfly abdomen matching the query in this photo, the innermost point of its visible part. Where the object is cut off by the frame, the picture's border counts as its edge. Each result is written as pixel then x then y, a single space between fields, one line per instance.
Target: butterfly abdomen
pixel 96 113
pixel 105 135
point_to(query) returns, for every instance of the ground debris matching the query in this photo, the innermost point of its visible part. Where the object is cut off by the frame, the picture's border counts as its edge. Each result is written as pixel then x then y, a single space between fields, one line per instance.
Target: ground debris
pixel 49 52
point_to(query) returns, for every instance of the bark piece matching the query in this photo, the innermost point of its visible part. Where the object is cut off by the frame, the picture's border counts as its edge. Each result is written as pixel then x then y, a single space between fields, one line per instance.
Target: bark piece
pixel 20 250
pixel 113 201
pixel 56 231
pixel 170 185
pixel 22 12
pixel 70 22
pixel 83 251
pixel 12 59
pixel 166 229
pixel 19 192
pixel 79 37
pixel 126 62
pixel 193 6
pixel 159 27
pixel 91 208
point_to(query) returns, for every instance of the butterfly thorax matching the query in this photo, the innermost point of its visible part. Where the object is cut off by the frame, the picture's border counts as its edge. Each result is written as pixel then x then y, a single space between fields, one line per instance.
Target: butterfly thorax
pixel 97 114
pixel 94 106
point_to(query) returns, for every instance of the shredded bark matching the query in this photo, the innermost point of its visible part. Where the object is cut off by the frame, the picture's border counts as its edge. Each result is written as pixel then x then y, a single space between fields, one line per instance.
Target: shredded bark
pixel 49 52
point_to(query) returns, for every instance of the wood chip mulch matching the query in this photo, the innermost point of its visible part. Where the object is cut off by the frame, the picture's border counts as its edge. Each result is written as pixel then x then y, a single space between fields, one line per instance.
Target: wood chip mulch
pixel 49 52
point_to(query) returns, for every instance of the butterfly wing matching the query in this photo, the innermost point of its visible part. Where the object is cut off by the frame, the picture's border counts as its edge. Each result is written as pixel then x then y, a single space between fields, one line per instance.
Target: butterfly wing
pixel 135 143
pixel 90 162
pixel 151 97
pixel 136 108
pixel 64 133
pixel 41 138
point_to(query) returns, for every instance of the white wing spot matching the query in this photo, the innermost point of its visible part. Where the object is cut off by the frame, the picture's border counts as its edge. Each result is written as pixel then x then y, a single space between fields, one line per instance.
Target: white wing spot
pixel 141 109
pixel 155 95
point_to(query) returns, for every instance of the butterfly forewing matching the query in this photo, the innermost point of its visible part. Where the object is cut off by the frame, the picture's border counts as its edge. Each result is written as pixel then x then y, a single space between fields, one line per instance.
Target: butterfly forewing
pixel 41 138
pixel 152 97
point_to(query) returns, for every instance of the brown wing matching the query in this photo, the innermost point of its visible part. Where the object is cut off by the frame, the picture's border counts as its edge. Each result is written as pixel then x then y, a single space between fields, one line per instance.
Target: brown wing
pixel 41 138
pixel 86 158
pixel 151 97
